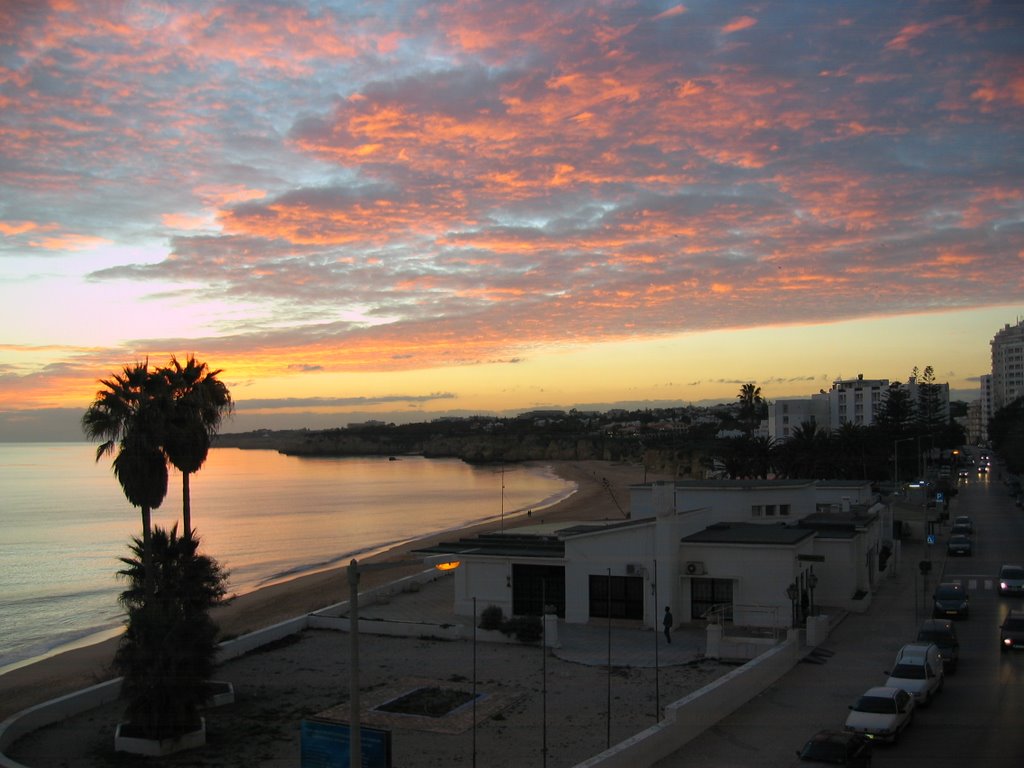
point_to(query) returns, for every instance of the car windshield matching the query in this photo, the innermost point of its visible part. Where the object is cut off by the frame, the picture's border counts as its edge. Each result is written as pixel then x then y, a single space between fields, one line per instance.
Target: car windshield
pixel 1015 624
pixel 949 593
pixel 909 671
pixel 824 752
pixel 934 636
pixel 875 704
pixel 1012 573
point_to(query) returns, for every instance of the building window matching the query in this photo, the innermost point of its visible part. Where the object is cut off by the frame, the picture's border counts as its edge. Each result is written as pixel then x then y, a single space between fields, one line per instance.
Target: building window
pixel 784 510
pixel 769 510
pixel 621 596
pixel 756 510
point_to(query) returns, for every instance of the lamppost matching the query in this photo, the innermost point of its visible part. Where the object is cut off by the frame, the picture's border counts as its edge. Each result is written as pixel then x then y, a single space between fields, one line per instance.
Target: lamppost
pixel 355 744
pixel 896 459
pixel 812 582
pixel 792 592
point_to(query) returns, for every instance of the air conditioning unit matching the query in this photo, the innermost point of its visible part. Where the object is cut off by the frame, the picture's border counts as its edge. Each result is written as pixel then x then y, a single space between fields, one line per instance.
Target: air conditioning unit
pixel 695 568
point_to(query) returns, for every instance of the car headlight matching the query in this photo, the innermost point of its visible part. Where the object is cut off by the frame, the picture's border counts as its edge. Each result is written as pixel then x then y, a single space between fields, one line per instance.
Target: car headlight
pixel 1002 585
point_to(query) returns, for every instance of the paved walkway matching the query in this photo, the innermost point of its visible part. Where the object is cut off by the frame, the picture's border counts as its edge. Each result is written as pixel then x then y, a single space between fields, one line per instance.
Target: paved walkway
pixel 590 644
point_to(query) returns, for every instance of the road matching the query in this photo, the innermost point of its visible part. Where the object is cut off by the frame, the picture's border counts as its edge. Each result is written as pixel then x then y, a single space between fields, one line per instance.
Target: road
pixel 975 721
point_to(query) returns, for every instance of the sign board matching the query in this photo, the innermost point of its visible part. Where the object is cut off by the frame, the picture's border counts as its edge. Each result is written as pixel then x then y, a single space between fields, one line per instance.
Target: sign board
pixel 811 558
pixel 940 497
pixel 931 538
pixel 324 744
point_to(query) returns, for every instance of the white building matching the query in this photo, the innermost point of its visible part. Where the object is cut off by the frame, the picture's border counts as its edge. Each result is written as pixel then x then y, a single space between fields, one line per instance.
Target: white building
pixel 785 416
pixel 1007 365
pixel 856 401
pixel 729 547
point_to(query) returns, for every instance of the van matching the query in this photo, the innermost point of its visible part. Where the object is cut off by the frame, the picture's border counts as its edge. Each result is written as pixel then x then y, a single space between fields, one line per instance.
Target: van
pixel 918 670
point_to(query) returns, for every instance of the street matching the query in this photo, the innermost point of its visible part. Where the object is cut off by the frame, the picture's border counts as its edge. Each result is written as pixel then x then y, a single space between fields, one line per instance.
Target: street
pixel 974 721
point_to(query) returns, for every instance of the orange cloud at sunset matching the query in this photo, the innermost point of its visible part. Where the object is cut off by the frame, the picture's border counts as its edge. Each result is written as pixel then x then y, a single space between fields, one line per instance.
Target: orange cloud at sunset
pixel 341 195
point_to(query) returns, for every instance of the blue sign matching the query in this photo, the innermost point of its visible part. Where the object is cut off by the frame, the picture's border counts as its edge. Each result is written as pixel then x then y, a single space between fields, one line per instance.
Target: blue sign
pixel 324 744
pixel 931 538
pixel 940 496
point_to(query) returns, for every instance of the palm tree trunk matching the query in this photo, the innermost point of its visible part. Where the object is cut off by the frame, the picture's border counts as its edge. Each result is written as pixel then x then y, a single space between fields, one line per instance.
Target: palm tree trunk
pixel 147 552
pixel 186 505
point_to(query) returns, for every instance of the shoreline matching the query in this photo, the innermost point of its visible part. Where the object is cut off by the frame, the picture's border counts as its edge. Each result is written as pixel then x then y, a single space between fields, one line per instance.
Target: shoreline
pixel 601 493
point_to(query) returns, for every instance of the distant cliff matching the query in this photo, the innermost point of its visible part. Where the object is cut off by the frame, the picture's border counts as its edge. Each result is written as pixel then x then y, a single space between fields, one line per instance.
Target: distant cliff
pixel 471 446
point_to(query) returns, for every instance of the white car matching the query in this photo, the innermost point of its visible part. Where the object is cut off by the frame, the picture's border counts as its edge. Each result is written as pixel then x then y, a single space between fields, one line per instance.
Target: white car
pixel 918 671
pixel 1011 580
pixel 882 713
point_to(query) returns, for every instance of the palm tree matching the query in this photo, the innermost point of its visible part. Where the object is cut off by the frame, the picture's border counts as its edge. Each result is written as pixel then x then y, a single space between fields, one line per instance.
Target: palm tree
pixel 129 415
pixel 169 646
pixel 199 402
pixel 750 404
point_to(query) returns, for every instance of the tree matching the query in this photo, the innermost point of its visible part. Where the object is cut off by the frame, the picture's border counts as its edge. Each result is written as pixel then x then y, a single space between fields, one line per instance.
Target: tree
pixel 198 403
pixel 1006 430
pixel 167 652
pixel 751 404
pixel 929 412
pixel 129 416
pixel 896 416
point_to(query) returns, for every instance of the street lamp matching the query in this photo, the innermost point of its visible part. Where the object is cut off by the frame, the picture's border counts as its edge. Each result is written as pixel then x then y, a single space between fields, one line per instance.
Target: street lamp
pixel 812 582
pixel 792 592
pixel 355 744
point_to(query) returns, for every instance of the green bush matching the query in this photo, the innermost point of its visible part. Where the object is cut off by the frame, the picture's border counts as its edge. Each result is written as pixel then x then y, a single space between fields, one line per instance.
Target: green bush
pixel 491 617
pixel 527 629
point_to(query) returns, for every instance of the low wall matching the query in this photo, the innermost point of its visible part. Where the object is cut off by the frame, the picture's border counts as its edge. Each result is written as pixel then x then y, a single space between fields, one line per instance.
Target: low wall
pixel 692 715
pixel 41 715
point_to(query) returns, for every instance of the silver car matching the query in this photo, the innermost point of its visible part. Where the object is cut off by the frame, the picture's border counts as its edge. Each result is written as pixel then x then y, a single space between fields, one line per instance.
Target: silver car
pixel 1011 580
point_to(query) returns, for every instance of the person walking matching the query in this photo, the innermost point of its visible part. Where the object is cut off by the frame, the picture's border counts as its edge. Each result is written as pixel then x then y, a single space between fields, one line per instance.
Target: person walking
pixel 667 623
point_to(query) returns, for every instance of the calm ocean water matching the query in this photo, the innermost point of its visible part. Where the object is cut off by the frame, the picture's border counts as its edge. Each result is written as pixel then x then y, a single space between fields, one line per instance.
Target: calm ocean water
pixel 264 516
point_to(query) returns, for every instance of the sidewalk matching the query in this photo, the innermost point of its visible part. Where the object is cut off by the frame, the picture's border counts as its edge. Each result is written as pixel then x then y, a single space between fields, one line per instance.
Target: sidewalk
pixel 814 696
pixel 579 643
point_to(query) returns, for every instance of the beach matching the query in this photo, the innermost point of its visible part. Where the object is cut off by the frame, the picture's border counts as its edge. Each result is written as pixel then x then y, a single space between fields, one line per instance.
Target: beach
pixel 602 493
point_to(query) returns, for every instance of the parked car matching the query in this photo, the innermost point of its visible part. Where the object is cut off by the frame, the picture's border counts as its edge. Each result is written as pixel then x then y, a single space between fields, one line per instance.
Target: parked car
pixel 960 545
pixel 918 670
pixel 836 748
pixel 942 632
pixel 964 523
pixel 1011 631
pixel 1011 580
pixel 882 713
pixel 951 601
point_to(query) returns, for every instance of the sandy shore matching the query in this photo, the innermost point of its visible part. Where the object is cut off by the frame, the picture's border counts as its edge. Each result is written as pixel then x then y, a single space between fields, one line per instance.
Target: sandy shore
pixel 602 493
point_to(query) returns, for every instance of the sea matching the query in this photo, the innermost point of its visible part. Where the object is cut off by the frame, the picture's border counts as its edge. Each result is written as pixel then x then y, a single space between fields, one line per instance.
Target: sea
pixel 264 516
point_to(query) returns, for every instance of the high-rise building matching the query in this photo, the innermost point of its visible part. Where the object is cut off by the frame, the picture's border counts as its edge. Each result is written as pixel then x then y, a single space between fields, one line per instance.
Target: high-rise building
pixel 856 401
pixel 1007 365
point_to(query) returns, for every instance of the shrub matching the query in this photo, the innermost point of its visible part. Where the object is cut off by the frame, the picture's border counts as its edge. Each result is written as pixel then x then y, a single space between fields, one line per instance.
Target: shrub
pixel 491 617
pixel 527 629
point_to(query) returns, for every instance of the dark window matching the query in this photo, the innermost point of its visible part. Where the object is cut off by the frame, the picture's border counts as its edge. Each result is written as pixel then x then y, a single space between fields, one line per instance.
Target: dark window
pixel 625 601
pixel 534 585
pixel 706 594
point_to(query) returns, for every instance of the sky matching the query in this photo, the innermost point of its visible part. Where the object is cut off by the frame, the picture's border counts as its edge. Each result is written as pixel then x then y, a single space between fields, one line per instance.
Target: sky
pixel 399 210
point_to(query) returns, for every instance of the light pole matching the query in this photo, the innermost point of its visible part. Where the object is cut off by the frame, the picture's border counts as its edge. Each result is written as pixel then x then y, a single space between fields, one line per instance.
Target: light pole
pixel 812 582
pixel 355 744
pixel 896 460
pixel 792 592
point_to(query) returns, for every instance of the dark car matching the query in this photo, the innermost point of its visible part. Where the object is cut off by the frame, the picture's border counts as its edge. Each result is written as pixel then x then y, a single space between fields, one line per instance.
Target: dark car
pixel 961 529
pixel 960 545
pixel 963 524
pixel 1011 631
pixel 836 748
pixel 951 601
pixel 943 634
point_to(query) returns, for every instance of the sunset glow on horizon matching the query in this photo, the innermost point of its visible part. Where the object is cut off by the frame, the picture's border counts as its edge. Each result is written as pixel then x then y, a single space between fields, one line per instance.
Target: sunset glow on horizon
pixel 422 208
